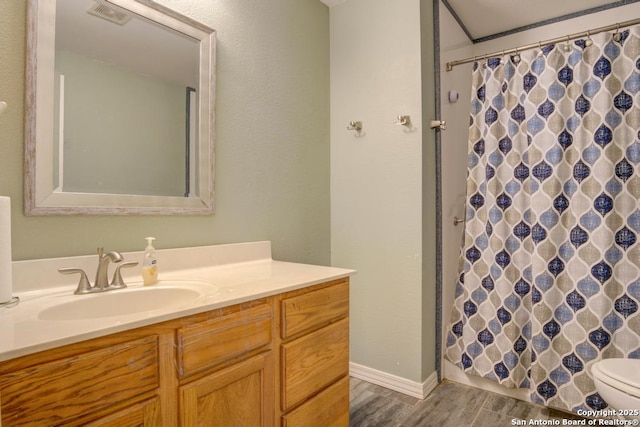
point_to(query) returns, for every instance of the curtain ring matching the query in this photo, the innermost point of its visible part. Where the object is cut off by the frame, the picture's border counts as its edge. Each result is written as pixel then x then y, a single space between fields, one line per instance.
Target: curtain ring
pixel 516 57
pixel 617 36
pixel 484 61
pixel 567 47
pixel 588 42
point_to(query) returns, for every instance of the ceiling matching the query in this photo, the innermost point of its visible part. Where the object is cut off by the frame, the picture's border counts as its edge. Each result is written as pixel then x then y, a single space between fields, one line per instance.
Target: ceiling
pixel 139 44
pixel 331 3
pixel 484 19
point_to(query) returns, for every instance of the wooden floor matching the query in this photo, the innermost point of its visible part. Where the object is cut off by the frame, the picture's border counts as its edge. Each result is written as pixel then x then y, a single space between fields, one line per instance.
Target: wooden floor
pixel 450 404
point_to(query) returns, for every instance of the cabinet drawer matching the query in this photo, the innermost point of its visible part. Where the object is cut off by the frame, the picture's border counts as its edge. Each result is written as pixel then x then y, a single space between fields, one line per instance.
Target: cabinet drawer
pixel 53 392
pixel 146 413
pixel 221 339
pixel 314 309
pixel 314 361
pixel 330 408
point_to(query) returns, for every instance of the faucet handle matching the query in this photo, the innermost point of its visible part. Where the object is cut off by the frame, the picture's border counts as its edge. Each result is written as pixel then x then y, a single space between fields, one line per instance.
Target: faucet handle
pixel 84 286
pixel 117 281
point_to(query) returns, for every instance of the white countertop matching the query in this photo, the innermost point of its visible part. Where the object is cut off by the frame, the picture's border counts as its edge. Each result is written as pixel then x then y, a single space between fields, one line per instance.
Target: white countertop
pixel 239 273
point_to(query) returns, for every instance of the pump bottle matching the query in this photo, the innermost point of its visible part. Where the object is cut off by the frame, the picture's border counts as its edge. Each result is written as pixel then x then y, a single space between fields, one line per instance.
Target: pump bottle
pixel 149 264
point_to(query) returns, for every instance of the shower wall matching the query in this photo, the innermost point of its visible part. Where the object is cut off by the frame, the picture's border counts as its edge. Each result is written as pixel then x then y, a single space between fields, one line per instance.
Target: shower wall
pixel 455 45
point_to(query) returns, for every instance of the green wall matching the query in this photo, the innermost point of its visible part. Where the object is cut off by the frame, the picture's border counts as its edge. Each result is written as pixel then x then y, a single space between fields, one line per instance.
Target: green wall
pixel 272 139
pixel 383 184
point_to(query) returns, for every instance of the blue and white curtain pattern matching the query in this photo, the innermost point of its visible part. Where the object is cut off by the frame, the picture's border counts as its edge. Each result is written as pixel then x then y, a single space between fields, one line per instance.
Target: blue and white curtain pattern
pixel 549 278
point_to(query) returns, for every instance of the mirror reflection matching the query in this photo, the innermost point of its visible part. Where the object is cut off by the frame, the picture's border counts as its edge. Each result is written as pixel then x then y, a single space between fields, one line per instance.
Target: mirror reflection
pixel 128 87
pixel 121 113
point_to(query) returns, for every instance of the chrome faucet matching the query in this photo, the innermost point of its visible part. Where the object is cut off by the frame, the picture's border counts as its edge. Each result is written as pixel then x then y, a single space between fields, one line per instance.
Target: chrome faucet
pixel 102 279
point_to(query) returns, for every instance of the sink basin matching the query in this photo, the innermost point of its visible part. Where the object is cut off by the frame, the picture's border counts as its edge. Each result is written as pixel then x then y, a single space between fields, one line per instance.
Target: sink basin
pixel 127 301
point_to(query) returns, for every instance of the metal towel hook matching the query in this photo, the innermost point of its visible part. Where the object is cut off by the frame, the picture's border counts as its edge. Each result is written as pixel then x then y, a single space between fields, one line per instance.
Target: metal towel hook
pixel 355 125
pixel 403 121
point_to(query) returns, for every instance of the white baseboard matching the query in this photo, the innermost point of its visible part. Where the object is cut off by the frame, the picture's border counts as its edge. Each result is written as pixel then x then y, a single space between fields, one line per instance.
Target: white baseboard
pixel 393 382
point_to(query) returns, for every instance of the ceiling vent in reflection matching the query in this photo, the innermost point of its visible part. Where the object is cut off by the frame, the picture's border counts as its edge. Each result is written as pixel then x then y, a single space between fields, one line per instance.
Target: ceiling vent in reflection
pixel 111 14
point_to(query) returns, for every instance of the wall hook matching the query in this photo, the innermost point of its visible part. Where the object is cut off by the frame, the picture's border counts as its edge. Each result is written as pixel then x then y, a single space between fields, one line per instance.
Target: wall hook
pixel 3 107
pixel 404 121
pixel 355 125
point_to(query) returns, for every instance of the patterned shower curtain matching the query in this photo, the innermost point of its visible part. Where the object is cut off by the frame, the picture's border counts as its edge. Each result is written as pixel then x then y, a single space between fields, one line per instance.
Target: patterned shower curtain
pixel 549 278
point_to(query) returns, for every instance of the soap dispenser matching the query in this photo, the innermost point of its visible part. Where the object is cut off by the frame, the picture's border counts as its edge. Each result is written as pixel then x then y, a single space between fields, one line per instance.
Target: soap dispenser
pixel 149 264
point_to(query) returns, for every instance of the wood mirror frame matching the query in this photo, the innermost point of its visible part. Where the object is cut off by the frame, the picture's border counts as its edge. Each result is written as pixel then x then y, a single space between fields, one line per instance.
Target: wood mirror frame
pixel 41 196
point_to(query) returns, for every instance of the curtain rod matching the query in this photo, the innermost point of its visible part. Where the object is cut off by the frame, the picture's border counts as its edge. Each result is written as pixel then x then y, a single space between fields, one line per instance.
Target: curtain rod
pixel 616 27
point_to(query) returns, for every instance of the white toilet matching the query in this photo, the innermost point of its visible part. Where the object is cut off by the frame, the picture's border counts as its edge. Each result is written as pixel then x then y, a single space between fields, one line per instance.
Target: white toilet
pixel 618 383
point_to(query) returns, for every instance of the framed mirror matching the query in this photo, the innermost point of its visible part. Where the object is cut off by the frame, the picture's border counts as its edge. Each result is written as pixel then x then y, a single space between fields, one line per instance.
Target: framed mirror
pixel 119 120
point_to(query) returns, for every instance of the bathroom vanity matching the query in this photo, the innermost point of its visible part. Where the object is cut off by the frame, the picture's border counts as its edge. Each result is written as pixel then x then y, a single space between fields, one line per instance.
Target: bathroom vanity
pixel 269 346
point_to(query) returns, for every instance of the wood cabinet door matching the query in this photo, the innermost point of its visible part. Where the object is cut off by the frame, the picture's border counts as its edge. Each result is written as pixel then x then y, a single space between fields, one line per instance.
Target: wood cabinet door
pixel 75 388
pixel 240 395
